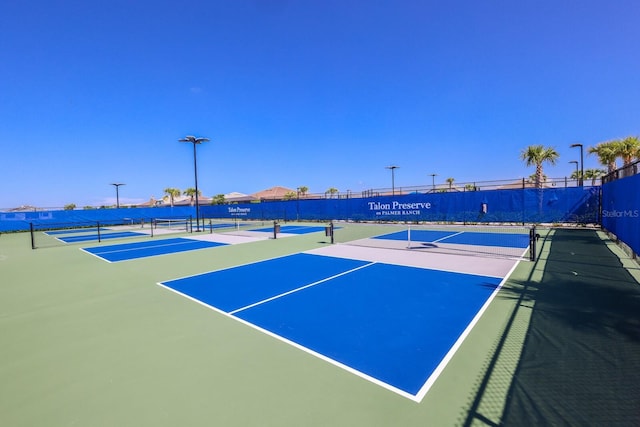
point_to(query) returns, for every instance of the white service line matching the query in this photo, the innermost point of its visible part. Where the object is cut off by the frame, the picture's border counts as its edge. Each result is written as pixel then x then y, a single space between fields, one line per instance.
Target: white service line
pixel 447 237
pixel 144 247
pixel 299 289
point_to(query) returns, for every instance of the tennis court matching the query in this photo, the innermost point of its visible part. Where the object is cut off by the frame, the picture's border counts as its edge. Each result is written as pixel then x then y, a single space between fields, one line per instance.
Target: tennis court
pixel 149 248
pixel 460 237
pixel 494 241
pixel 102 236
pixel 72 231
pixel 369 331
pixel 395 325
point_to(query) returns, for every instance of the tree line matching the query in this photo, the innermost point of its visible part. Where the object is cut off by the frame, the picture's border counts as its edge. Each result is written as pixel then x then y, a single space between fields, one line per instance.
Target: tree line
pixel 608 152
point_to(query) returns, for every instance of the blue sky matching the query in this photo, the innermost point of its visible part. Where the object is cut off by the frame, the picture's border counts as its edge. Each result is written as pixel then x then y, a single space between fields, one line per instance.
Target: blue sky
pixel 316 93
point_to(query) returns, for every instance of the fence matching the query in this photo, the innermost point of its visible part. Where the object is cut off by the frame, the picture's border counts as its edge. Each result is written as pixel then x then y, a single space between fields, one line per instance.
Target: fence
pixel 21 221
pixel 523 204
pixel 545 205
pixel 621 205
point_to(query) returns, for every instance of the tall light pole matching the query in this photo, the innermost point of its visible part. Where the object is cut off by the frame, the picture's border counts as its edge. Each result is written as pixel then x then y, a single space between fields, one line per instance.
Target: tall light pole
pixel 117 185
pixel 195 141
pixel 577 174
pixel 393 185
pixel 433 181
pixel 581 177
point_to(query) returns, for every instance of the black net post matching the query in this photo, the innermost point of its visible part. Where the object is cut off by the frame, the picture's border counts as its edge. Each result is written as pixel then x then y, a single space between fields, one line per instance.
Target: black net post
pixel 328 231
pixel 276 229
pixel 33 242
pixel 532 243
pixel 98 224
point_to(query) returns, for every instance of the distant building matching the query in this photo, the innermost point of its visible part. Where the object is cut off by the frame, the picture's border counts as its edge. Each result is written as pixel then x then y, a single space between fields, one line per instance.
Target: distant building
pixel 235 197
pixel 273 193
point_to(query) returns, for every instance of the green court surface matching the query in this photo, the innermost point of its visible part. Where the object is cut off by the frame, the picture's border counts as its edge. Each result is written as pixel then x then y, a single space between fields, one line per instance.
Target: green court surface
pixel 90 343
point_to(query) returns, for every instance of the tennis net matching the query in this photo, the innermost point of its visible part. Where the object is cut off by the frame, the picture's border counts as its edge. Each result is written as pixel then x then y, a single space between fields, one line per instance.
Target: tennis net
pixel 508 241
pixel 49 234
pixel 172 224
pixel 233 226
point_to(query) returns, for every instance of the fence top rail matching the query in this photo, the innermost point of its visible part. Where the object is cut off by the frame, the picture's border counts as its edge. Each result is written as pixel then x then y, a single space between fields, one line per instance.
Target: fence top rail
pixel 631 169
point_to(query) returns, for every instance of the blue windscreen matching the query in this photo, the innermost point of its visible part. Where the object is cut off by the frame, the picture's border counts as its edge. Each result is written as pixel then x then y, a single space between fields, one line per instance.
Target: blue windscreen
pixel 20 221
pixel 551 205
pixel 621 210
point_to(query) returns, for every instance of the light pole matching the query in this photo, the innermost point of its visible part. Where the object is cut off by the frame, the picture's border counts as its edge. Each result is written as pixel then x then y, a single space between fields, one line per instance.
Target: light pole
pixel 581 177
pixel 117 185
pixel 433 181
pixel 577 174
pixel 393 185
pixel 195 141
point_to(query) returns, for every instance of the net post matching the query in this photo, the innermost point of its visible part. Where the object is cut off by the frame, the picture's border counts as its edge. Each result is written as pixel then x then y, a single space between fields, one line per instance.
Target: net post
pixel 210 226
pixel 409 237
pixel 328 231
pixel 332 228
pixel 98 226
pixel 532 243
pixel 33 242
pixel 275 229
pixel 151 221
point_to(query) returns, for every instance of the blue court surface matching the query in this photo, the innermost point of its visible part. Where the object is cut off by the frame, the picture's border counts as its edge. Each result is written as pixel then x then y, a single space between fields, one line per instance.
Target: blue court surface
pixel 103 236
pixel 127 251
pixel 72 231
pixel 391 324
pixel 506 240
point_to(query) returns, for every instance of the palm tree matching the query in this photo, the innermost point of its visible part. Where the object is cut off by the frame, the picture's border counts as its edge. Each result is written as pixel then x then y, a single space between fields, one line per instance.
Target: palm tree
pixel 218 199
pixel 191 192
pixel 594 174
pixel 607 154
pixel 303 190
pixel 172 193
pixel 627 148
pixel 450 181
pixel 537 155
pixel 331 191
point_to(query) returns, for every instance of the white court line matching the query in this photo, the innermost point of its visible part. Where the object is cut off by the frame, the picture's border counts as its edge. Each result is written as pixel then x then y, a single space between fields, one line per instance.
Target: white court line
pixel 447 237
pixel 300 346
pixel 95 255
pixel 454 348
pixel 231 267
pixel 419 396
pixel 146 247
pixel 300 288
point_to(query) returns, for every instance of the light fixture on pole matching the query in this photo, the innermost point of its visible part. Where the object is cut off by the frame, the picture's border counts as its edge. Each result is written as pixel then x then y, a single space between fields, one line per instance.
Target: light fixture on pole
pixel 433 181
pixel 581 177
pixel 393 185
pixel 117 185
pixel 577 173
pixel 195 141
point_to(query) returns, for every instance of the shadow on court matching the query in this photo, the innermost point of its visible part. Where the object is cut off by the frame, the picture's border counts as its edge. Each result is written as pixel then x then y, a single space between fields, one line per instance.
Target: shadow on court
pixel 580 362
